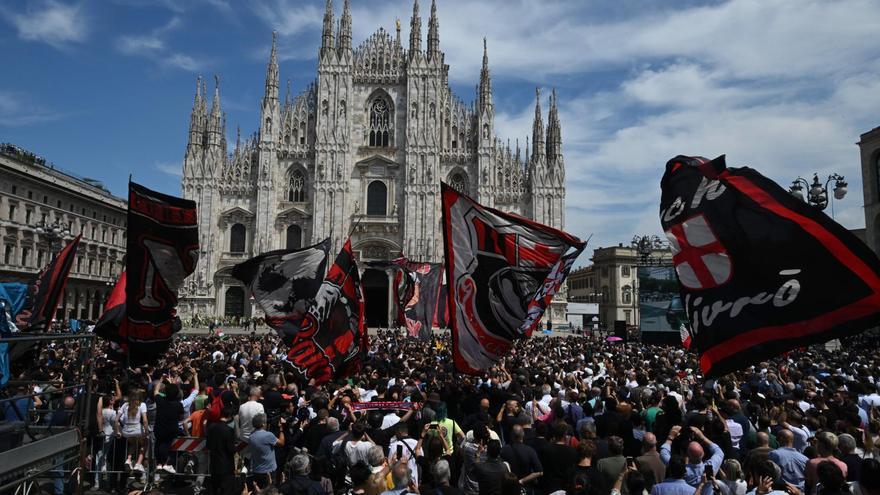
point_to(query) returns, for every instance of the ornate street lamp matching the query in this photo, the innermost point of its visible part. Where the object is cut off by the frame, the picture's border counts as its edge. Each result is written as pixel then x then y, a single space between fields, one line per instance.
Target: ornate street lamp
pixel 646 246
pixel 53 233
pixel 817 193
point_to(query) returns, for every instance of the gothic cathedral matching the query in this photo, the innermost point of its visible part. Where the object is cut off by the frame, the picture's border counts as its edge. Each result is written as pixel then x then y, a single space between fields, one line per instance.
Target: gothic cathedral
pixel 362 149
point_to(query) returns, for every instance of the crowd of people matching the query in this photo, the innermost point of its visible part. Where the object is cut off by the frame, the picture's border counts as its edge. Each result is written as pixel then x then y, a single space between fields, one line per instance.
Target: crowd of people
pixel 558 415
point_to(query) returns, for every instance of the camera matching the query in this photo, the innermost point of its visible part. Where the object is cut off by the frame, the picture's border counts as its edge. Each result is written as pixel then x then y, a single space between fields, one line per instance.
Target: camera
pixel 303 414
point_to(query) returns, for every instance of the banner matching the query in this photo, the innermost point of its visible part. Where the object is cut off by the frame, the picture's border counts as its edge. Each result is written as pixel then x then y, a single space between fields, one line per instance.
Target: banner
pixel 760 271
pixel 502 271
pixel 49 287
pixel 332 338
pixel 283 282
pixel 162 250
pixel 13 297
pixel 441 314
pixel 420 307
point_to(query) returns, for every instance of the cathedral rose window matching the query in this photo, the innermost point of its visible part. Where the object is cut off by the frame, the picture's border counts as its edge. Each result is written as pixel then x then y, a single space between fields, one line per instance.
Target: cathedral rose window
pixel 459 183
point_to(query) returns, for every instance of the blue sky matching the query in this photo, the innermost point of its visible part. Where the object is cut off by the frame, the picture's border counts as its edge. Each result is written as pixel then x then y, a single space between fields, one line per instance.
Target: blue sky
pixel 104 88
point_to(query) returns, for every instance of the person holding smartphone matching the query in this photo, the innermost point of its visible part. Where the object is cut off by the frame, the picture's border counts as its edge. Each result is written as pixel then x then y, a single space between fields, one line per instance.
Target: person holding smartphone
pixel 403 449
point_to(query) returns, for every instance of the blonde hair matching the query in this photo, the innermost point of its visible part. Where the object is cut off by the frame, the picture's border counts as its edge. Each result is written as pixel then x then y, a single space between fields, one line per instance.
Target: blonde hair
pixel 134 402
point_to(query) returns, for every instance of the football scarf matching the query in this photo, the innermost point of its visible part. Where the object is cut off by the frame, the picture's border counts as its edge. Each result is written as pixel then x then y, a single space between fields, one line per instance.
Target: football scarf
pixel 49 287
pixel 331 337
pixel 760 271
pixel 282 282
pixel 421 305
pixel 162 250
pixel 502 271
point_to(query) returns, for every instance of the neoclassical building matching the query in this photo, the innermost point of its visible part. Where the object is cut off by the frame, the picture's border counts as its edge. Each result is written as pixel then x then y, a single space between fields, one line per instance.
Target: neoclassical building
pixel 362 149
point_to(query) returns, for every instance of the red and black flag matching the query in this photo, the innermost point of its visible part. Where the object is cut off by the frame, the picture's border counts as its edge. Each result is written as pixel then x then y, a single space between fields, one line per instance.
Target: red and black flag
pixel 282 282
pixel 419 308
pixel 760 271
pixel 49 286
pixel 441 315
pixel 111 324
pixel 332 338
pixel 162 250
pixel 502 271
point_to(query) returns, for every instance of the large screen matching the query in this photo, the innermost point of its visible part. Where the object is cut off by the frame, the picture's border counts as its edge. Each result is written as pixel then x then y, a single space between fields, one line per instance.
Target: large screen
pixel 660 308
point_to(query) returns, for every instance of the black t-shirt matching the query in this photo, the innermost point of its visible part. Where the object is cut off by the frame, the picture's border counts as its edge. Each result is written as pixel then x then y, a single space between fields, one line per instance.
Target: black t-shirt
pixel 558 462
pixel 221 445
pixel 490 475
pixel 594 478
pixel 523 459
pixel 272 401
pixel 168 413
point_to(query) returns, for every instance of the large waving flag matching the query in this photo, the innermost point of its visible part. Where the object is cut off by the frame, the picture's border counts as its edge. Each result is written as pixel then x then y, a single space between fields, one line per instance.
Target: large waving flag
pixel 502 271
pixel 418 311
pixel 111 324
pixel 760 271
pixel 49 287
pixel 283 282
pixel 332 337
pixel 162 250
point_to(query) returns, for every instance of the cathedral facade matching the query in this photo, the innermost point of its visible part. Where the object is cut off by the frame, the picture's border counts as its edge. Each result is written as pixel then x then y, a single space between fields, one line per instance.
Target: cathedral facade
pixel 361 150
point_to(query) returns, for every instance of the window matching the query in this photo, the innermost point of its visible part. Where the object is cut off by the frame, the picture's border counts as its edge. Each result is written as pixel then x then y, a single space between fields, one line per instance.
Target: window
pixel 101 268
pixel 12 212
pixel 7 256
pixel 91 267
pixel 380 123
pixel 627 315
pixel 71 207
pixel 377 198
pixel 296 190
pixel 25 256
pixel 79 264
pixel 237 237
pixel 30 195
pixel 59 203
pixel 45 199
pixel 454 137
pixel 28 214
pixel 459 182
pixel 113 237
pixel 43 218
pixel 104 235
pixel 40 255
pixel 604 294
pixel 14 189
pixel 627 294
pixel 625 271
pixel 294 237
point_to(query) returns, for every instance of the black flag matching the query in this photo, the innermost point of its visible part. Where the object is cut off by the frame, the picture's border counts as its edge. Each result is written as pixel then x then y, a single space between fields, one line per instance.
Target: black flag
pixel 502 270
pixel 49 287
pixel 282 282
pixel 761 272
pixel 163 247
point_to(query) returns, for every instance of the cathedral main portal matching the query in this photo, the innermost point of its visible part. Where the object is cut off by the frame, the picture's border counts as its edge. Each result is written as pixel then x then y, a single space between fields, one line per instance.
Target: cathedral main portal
pixel 376 298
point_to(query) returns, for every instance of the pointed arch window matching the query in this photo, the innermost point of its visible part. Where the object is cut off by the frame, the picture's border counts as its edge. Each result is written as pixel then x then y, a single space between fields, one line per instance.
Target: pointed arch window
pixel 380 123
pixel 296 187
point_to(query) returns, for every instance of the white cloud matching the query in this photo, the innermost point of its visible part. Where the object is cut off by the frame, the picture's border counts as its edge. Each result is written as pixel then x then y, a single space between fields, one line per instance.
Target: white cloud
pixel 17 109
pixel 170 168
pixel 51 22
pixel 154 47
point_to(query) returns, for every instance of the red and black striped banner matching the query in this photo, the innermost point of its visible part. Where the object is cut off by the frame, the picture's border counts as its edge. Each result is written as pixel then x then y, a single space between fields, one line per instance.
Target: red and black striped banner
pixel 49 286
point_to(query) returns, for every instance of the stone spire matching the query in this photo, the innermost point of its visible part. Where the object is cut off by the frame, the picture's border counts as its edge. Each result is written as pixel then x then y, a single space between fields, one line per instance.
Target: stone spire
pixel 485 81
pixel 196 118
pixel 287 95
pixel 272 71
pixel 327 30
pixel 344 35
pixel 433 33
pixel 215 122
pixel 537 128
pixel 415 32
pixel 554 131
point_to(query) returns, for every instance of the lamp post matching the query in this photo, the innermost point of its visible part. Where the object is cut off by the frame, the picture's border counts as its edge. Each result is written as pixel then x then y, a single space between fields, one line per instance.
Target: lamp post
pixel 53 233
pixel 817 193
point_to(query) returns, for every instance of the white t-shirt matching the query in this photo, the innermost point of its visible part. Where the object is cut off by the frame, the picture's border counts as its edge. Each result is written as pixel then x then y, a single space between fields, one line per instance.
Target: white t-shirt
pixel 357 451
pixel 390 420
pixel 736 432
pixel 109 416
pixel 410 458
pixel 131 425
pixel 246 413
